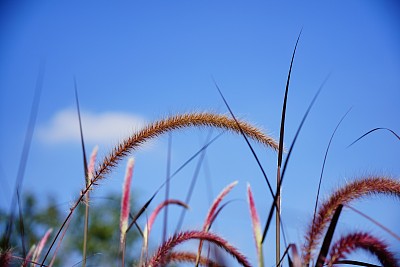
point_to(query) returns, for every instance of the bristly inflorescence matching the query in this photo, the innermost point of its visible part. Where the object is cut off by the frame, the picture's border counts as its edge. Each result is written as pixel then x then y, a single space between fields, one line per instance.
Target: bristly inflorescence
pixel 161 256
pixel 353 190
pixel 176 122
pixel 364 241
pixel 188 257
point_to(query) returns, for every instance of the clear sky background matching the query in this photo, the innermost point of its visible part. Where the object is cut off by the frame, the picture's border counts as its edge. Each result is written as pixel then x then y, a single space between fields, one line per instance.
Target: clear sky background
pixel 138 61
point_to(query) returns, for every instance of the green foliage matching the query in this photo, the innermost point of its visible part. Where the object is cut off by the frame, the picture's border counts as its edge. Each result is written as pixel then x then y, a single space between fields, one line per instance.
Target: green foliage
pixel 103 238
pixel 103 233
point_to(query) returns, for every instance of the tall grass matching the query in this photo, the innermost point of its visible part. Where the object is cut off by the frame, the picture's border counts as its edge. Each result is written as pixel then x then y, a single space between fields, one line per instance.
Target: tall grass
pixel 166 253
pixel 318 237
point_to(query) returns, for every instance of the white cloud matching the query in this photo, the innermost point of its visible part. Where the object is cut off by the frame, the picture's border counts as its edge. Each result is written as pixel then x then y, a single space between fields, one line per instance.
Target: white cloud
pixel 102 128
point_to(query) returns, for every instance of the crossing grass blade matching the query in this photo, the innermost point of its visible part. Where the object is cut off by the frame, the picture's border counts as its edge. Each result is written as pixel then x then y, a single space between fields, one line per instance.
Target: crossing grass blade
pixel 85 165
pixel 5 241
pixel 246 139
pixel 357 263
pixel 145 206
pixel 328 237
pixel 85 175
pixel 167 180
pixel 192 184
pixel 387 230
pixel 323 164
pixel 280 155
pixel 283 256
pixel 273 205
pixel 21 224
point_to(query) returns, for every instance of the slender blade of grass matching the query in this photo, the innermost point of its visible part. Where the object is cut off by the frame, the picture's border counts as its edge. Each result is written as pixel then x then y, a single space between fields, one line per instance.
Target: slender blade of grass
pixel 219 210
pixel 300 127
pixel 189 160
pixel 140 212
pixel 59 244
pixel 21 225
pixel 273 205
pixel 328 237
pixel 283 256
pixel 323 164
pixel 280 155
pixel 246 139
pixel 24 155
pixel 71 210
pixel 373 130
pixel 85 165
pixel 79 262
pixel 290 262
pixel 283 117
pixel 374 222
pixel 196 154
pixel 357 263
pixel 85 174
pixel 192 184
pixel 168 174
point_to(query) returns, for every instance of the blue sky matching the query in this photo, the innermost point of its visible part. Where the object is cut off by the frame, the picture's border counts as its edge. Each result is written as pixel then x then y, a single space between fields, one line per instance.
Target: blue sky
pixel 138 61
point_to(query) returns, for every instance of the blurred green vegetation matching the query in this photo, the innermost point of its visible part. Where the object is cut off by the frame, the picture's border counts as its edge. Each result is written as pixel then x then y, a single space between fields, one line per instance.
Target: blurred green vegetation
pixel 103 233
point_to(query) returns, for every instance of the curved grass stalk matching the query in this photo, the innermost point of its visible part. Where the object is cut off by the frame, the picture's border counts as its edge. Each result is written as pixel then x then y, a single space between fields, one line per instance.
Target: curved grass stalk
pixel 53 259
pixel 163 251
pixel 178 122
pixel 365 241
pixel 157 128
pixel 353 190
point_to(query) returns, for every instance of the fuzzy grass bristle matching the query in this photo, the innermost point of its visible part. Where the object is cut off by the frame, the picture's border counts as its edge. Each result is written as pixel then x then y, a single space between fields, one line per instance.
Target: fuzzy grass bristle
pixel 364 241
pixel 5 257
pixel 164 250
pixel 125 201
pixel 353 190
pixel 176 122
pixel 188 257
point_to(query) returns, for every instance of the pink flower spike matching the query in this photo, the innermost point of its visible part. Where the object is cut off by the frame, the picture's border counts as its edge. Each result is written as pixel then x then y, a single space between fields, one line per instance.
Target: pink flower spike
pixel 40 246
pixel 28 256
pixel 160 207
pixel 216 203
pixel 255 220
pixel 161 255
pixel 153 216
pixel 92 161
pixel 125 202
pixel 210 215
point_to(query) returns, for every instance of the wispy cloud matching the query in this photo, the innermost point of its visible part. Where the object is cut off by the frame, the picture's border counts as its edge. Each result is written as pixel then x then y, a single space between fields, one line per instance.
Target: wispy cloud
pixel 98 128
